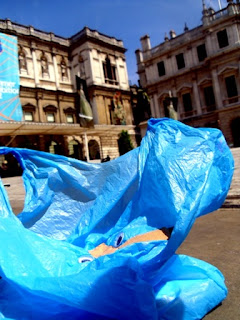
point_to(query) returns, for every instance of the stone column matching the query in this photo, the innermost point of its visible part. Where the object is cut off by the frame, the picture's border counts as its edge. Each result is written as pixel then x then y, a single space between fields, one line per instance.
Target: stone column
pixel 189 60
pixel 180 107
pixel 216 89
pixel 118 73
pixel 35 67
pixel 41 144
pixel 95 110
pixel 39 105
pixel 85 139
pixel 209 45
pixel 196 97
pixel 171 65
pixel 60 112
pixel 91 72
pixel 235 33
pixel 65 146
pixel 152 107
pixel 55 67
pixel 157 108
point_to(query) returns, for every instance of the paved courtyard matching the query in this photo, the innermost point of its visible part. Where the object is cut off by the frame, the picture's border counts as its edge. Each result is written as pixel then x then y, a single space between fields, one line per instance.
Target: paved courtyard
pixel 214 238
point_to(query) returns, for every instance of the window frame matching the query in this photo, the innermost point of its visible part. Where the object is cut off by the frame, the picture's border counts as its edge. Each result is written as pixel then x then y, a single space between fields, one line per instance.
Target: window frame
pixel 48 113
pixel 67 117
pixel 185 107
pixel 25 113
pixel 109 72
pixel 209 96
pixel 201 52
pixel 222 37
pixel 180 61
pixel 161 68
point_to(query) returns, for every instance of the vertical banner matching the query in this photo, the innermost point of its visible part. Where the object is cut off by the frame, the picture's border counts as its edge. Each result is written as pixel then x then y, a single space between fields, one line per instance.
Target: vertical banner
pixel 10 106
pixel 85 110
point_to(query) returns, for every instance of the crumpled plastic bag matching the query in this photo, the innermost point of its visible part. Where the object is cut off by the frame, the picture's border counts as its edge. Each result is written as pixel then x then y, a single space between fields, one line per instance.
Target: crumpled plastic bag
pixel 71 207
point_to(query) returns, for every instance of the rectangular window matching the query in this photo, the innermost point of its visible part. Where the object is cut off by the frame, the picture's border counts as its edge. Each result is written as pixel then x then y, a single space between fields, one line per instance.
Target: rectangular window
pixel 209 96
pixel 50 117
pixel 202 53
pixel 70 118
pixel 28 116
pixel 109 71
pixel 161 68
pixel 231 87
pixel 187 102
pixel 180 61
pixel 222 38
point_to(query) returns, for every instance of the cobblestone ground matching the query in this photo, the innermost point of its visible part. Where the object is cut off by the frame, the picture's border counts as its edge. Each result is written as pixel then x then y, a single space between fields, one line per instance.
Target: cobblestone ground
pixel 214 238
pixel 233 198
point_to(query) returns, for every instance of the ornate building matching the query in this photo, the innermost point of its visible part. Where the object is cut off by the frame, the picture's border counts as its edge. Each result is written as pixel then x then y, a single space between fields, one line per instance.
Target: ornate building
pixel 49 66
pixel 197 73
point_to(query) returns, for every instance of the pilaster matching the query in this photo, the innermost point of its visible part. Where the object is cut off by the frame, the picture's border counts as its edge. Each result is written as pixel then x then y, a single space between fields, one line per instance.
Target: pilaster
pixel 95 110
pixel 35 66
pixel 55 67
pixel 216 89
pixel 157 109
pixel 196 97
pixel 41 143
pixel 152 106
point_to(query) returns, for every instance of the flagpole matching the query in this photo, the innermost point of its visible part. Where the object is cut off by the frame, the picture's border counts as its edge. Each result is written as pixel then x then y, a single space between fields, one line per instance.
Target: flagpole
pixel 220 5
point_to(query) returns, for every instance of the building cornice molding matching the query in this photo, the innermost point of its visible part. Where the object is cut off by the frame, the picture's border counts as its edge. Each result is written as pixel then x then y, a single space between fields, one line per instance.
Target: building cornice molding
pixel 184 86
pixel 82 36
pixel 227 69
pixel 204 81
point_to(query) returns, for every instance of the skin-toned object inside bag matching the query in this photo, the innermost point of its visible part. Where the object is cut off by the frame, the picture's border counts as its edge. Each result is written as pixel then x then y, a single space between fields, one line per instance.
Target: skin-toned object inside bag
pixel 155 235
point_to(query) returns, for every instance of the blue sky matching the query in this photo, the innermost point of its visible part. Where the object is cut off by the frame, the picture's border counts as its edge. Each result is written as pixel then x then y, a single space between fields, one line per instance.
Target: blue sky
pixel 127 20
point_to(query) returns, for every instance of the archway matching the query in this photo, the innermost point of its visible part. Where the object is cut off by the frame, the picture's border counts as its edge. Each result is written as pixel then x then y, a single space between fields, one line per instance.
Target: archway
pixel 75 150
pixel 94 150
pixel 55 148
pixel 235 126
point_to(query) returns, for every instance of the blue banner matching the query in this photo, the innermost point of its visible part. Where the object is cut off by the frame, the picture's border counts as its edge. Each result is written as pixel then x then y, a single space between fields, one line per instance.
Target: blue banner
pixel 10 105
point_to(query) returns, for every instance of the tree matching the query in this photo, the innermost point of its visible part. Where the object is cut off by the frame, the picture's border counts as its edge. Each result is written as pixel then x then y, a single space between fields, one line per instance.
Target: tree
pixel 124 142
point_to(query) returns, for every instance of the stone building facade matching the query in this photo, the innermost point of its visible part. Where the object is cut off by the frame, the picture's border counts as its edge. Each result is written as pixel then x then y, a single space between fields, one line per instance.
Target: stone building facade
pixel 197 72
pixel 48 67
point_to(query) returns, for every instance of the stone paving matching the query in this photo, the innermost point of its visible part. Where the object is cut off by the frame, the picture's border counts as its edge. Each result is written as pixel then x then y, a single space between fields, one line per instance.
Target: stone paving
pixel 233 197
pixel 16 192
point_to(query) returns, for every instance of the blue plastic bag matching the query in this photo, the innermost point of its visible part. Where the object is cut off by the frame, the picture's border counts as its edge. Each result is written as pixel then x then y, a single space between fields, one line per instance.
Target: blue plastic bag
pixel 47 264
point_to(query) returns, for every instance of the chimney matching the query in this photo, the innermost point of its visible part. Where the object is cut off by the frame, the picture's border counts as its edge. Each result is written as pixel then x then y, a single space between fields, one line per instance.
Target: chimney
pixel 145 41
pixel 139 56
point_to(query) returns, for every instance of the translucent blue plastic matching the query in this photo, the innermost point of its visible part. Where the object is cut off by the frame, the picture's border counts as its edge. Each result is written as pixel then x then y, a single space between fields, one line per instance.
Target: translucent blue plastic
pixel 177 174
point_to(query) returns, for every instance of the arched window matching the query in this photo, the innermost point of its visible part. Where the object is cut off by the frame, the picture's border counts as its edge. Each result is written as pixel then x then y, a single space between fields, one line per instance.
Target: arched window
pixel 94 150
pixel 75 150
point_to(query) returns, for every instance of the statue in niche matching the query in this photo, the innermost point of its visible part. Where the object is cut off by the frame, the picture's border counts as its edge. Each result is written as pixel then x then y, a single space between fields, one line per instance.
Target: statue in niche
pixel 44 66
pixel 119 113
pixel 63 69
pixel 22 61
